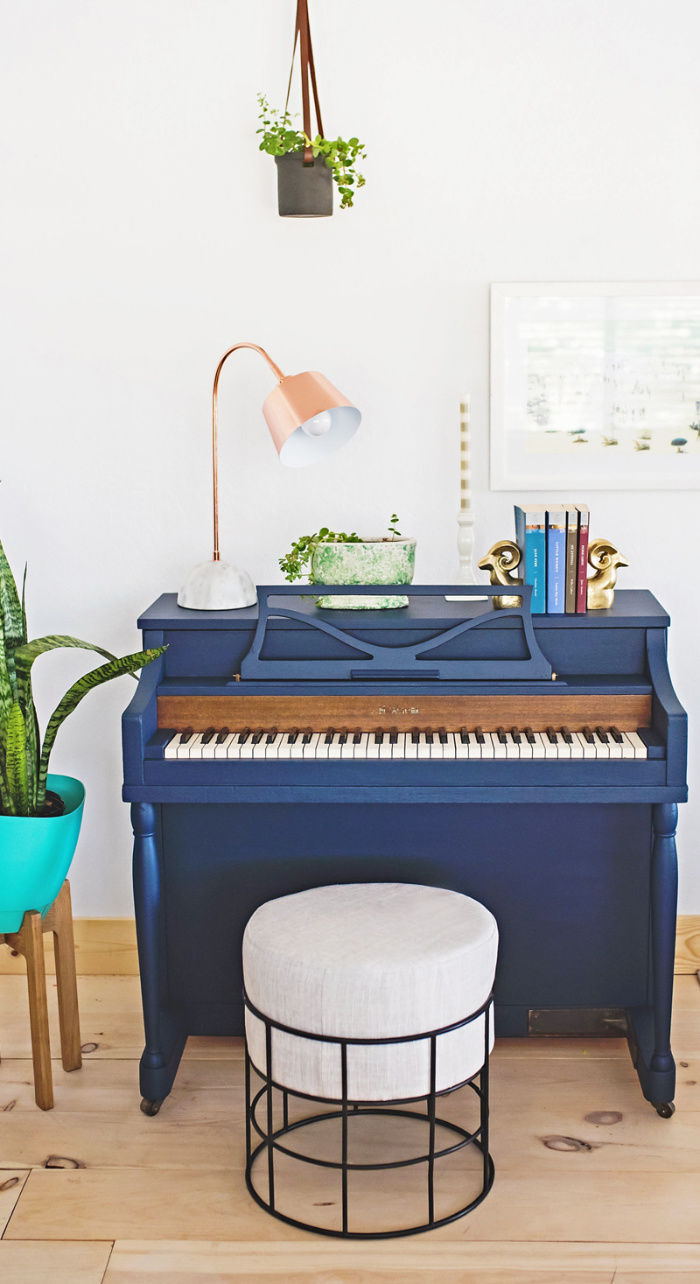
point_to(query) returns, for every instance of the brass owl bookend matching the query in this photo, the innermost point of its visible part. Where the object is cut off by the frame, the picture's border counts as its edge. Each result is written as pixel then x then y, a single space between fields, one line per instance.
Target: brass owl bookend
pixel 605 559
pixel 501 560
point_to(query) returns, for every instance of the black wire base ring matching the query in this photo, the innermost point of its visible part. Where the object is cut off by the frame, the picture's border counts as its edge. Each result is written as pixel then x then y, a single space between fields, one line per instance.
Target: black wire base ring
pixel 273 1139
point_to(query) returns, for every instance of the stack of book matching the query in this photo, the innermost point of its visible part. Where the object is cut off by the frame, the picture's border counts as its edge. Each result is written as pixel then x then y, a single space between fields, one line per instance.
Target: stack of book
pixel 553 542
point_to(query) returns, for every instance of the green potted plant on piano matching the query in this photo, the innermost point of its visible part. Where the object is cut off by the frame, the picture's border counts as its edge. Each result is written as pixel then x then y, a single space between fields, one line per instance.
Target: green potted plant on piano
pixel 330 557
pixel 40 814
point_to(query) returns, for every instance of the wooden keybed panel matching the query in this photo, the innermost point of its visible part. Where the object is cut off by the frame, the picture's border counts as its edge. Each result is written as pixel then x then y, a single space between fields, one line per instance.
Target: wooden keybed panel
pixel 367 712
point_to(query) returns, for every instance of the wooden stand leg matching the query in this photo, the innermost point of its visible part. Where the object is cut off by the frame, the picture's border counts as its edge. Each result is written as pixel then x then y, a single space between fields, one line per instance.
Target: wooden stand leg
pixel 33 934
pixel 66 984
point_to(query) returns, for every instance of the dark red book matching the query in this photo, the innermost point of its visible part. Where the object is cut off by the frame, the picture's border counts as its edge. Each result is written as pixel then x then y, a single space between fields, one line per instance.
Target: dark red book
pixel 582 578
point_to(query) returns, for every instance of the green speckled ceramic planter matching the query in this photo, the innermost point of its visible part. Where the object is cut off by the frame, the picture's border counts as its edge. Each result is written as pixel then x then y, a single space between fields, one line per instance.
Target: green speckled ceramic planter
pixel 374 561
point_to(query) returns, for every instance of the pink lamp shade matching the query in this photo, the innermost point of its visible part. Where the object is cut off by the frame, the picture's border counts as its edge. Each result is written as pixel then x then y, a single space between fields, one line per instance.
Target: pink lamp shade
pixel 308 418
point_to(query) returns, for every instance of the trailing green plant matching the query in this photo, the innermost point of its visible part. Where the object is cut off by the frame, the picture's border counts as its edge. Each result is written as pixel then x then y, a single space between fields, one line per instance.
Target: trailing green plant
pixel 280 135
pixel 298 561
pixel 24 763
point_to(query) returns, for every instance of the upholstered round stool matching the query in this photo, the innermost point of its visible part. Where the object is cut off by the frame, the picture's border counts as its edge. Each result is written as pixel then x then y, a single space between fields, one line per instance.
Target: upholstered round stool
pixel 365 997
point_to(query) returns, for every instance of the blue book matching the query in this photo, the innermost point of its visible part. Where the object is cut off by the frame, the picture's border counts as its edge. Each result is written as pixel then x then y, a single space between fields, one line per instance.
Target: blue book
pixel 530 536
pixel 556 561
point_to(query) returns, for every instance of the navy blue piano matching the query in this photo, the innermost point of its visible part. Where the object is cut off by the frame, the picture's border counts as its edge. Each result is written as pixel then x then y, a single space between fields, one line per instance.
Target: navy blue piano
pixel 534 762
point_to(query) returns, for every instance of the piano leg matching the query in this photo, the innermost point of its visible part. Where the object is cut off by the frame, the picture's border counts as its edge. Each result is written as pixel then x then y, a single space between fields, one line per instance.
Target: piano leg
pixel 164 1039
pixel 651 1029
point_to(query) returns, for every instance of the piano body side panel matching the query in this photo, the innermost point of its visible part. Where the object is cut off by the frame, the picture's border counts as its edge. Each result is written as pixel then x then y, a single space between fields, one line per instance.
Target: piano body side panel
pixel 140 718
pixel 668 715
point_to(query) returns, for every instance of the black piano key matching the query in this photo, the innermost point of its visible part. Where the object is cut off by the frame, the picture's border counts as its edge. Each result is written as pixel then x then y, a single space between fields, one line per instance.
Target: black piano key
pixel 394 736
pixel 552 736
pixel 464 735
pixel 501 733
pixel 293 736
pixel 379 736
pixel 602 735
pixel 567 736
pixel 479 733
pixel 415 736
pixel 429 738
pixel 616 735
pixel 343 735
pixel 329 736
pixel 258 735
pixel 186 735
pixel 306 737
pixel 530 736
pixel 223 735
pixel 588 735
pixel 244 735
pixel 515 733
pixel 442 736
pixel 357 737
pixel 208 735
pixel 271 736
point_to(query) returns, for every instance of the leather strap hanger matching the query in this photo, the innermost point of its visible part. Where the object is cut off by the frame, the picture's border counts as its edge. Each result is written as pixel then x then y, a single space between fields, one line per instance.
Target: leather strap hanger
pixel 302 34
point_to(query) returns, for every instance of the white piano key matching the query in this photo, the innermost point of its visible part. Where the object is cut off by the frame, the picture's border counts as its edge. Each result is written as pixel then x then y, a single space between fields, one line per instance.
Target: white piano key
pixel 322 749
pixel 260 749
pixel 410 749
pixel 601 750
pixel 512 749
pixel 449 751
pixel 309 750
pixel 372 748
pixel 576 746
pixel 347 750
pixel 499 749
pixel 436 749
pixel 614 748
pixel 221 750
pixel 424 748
pixel 563 749
pixel 461 750
pixel 589 750
pixel 209 750
pixel 335 748
pixel 247 748
pixel 170 750
pixel 550 750
pixel 640 749
pixel 627 747
pixel 234 748
pixel 285 749
pixel 473 748
pixel 360 751
pixel 183 750
pixel 538 748
pixel 525 748
pixel 386 749
pixel 272 749
pixel 487 749
pixel 296 751
pixel 399 749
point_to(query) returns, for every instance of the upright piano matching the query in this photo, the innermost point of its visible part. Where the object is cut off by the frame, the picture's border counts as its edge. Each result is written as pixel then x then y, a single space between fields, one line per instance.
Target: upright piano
pixel 533 762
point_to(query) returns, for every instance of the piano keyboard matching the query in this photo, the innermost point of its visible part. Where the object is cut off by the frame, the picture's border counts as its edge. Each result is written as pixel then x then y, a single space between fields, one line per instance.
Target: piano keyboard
pixel 422 743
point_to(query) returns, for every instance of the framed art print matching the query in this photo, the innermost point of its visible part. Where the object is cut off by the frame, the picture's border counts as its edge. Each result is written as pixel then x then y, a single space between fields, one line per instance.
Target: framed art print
pixel 595 386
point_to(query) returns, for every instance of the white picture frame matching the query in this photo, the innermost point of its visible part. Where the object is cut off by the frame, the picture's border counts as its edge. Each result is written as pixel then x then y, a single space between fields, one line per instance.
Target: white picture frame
pixel 594 386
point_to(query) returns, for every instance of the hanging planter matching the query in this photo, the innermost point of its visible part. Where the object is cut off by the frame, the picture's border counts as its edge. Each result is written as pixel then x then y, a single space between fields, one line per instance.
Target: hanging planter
pixel 306 166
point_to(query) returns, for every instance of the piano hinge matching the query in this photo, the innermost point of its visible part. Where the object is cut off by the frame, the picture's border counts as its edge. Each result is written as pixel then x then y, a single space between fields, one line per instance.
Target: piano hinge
pixel 237 676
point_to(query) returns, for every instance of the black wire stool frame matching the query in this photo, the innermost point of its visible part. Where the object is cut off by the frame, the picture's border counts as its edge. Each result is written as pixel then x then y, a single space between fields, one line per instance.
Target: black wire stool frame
pixel 271 1137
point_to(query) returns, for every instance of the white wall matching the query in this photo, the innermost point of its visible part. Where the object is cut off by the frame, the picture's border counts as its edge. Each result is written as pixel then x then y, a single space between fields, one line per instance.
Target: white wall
pixel 547 140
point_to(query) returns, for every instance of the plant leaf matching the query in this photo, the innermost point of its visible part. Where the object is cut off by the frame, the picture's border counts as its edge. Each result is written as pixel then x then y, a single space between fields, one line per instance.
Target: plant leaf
pixel 12 616
pixel 27 654
pixel 16 760
pixel 72 698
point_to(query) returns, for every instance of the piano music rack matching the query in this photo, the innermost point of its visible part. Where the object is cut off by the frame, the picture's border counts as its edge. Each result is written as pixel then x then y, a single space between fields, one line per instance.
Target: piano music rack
pixel 376 661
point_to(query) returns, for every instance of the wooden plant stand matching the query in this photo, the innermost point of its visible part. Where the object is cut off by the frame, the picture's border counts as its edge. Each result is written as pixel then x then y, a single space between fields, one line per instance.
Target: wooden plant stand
pixel 29 942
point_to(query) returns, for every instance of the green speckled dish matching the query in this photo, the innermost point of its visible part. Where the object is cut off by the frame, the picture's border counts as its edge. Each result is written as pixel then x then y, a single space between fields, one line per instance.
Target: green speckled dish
pixel 375 561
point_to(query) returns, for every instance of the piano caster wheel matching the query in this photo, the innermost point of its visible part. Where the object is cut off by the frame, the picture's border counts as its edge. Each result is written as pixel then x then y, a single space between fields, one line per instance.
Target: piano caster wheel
pixel 150 1107
pixel 665 1109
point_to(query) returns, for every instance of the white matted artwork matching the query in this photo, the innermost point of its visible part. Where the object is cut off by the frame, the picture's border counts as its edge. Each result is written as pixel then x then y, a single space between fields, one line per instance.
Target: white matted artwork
pixel 595 386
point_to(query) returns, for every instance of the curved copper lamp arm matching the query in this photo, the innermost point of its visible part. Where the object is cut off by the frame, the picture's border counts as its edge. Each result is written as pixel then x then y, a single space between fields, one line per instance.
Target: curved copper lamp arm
pixel 215 428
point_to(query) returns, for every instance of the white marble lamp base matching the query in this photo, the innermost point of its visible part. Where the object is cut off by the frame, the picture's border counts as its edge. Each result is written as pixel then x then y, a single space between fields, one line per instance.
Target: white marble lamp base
pixel 217 586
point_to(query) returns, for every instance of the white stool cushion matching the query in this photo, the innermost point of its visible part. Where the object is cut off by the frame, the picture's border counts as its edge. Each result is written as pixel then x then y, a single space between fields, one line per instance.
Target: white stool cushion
pixel 369 960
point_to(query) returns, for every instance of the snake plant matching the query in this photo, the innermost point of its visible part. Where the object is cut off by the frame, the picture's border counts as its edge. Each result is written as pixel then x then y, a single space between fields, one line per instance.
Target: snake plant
pixel 24 763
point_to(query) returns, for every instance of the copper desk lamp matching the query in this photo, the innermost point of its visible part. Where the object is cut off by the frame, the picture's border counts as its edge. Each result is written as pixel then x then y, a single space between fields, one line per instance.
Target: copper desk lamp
pixel 308 419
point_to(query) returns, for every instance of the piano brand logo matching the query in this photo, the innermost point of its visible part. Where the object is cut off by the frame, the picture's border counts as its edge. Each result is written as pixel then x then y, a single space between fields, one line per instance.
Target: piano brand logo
pixel 394 709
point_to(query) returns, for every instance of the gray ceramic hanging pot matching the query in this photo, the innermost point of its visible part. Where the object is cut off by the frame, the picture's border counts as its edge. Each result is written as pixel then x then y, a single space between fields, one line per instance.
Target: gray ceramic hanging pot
pixel 303 191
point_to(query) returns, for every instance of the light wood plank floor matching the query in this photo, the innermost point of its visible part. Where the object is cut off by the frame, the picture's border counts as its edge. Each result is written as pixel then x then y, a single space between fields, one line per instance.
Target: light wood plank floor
pixel 591 1185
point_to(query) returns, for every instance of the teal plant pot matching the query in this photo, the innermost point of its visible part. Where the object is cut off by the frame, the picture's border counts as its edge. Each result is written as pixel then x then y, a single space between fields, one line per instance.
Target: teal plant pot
pixel 35 855
pixel 373 561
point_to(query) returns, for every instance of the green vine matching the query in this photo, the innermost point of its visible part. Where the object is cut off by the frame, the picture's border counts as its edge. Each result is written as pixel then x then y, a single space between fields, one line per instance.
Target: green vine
pixel 279 136
pixel 297 561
